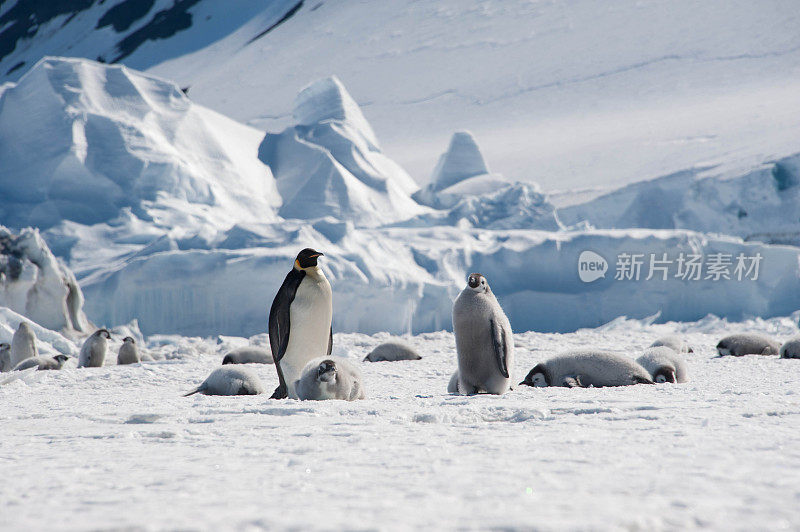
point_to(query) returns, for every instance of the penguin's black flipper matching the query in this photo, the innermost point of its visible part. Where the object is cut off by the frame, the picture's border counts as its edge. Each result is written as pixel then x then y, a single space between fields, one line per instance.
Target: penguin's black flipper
pixel 500 347
pixel 330 342
pixel 642 380
pixel 279 325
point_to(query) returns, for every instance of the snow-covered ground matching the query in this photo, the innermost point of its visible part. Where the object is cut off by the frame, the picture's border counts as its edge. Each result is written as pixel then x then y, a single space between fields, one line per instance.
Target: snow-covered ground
pixel 118 447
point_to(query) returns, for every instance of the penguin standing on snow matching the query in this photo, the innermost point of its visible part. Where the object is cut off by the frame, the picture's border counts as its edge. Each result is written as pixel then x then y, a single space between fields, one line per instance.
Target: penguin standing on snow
pixel 484 341
pixel 23 344
pixel 94 349
pixel 300 321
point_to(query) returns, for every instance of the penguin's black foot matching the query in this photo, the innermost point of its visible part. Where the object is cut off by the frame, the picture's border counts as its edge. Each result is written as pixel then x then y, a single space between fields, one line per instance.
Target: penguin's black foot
pixel 280 393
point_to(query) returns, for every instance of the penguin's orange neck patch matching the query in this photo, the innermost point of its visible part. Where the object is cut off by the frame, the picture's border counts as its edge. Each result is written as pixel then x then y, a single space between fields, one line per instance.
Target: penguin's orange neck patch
pixel 297 264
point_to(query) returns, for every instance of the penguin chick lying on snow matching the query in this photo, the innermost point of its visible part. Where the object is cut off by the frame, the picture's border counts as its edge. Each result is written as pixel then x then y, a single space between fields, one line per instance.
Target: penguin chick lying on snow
pixel 42 363
pixel 230 380
pixel 747 344
pixel 325 378
pixel 587 368
pixel 392 352
pixel 664 364
pixel 248 355
pixel 791 349
pixel 674 342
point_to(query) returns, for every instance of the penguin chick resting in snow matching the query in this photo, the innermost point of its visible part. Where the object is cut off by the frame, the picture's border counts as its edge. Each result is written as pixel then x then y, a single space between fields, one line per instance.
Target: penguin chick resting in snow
pixel 790 349
pixel 392 352
pixel 664 364
pixel 587 368
pixel 42 363
pixel 326 378
pixel 230 380
pixel 747 344
pixel 674 342
pixel 300 321
pixel 484 340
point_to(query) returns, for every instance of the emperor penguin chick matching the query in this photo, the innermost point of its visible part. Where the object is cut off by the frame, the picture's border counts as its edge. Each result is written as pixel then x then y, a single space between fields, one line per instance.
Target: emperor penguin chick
pixel 94 349
pixel 664 364
pixel 325 378
pixel 42 363
pixel 484 340
pixel 574 369
pixel 230 380
pixel 23 344
pixel 674 342
pixel 128 352
pixel 747 344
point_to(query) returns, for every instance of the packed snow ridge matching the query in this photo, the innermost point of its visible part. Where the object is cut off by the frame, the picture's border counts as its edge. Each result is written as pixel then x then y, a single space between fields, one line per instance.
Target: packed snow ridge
pixel 180 218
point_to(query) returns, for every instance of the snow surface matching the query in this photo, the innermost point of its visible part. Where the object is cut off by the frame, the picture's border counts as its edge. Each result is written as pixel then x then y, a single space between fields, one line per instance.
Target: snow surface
pixel 119 445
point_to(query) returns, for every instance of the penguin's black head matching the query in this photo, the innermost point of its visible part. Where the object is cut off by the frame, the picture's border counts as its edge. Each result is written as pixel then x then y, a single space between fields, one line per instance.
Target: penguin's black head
pixel 477 282
pixel 326 371
pixel 61 358
pixel 307 258
pixel 129 339
pixel 103 332
pixel 227 360
pixel 537 377
pixel 664 374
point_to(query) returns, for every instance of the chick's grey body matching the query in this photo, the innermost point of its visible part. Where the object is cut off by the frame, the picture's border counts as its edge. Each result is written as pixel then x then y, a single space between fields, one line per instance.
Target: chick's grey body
pixel 23 344
pixel 664 364
pixel 42 363
pixel 327 378
pixel 674 342
pixel 484 341
pixel 248 355
pixel 128 352
pixel 791 349
pixel 93 351
pixel 230 380
pixel 589 368
pixel 5 357
pixel 747 344
pixel 392 352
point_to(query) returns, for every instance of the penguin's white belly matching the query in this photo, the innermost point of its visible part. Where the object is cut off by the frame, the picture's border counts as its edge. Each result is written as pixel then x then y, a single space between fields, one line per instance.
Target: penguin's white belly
pixel 309 328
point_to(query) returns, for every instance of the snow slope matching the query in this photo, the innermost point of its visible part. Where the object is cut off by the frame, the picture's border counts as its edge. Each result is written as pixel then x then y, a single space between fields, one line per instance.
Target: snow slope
pixel 568 94
pixel 122 449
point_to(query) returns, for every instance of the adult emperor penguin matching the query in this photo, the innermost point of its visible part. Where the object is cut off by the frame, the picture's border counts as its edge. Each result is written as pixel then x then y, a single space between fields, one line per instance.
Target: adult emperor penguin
pixel 574 369
pixel 300 321
pixel 23 344
pixel 94 349
pixel 325 378
pixel 484 341
pixel 128 352
pixel 5 357
pixel 665 364
pixel 42 363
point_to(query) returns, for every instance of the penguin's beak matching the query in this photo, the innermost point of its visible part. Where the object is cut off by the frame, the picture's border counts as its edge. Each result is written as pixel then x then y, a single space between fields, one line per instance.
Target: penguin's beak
pixel 317 254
